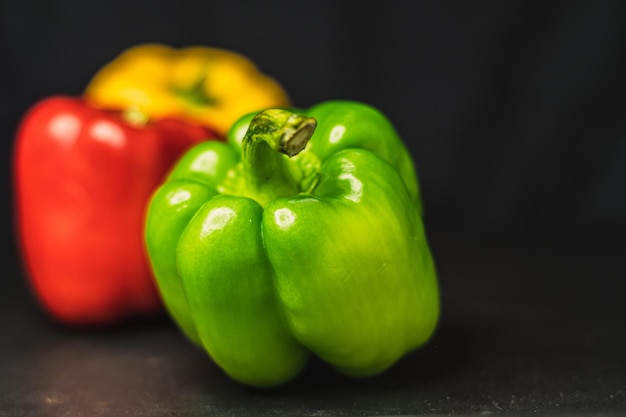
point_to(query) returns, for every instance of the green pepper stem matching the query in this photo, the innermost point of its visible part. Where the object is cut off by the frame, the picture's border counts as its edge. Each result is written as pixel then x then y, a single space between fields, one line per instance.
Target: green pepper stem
pixel 271 134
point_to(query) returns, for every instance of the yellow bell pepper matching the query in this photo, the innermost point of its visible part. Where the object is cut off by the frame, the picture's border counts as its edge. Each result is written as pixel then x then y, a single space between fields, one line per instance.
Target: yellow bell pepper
pixel 208 86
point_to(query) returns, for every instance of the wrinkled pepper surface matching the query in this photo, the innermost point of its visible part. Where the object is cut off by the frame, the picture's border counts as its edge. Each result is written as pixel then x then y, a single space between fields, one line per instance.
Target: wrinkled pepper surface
pixel 83 177
pixel 211 86
pixel 301 235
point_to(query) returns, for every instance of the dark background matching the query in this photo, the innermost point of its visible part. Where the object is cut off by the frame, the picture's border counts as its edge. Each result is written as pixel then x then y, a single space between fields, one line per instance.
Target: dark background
pixel 514 111
pixel 515 114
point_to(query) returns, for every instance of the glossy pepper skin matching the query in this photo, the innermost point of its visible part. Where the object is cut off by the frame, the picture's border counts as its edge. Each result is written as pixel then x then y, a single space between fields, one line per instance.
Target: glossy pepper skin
pixel 280 244
pixel 83 177
pixel 210 86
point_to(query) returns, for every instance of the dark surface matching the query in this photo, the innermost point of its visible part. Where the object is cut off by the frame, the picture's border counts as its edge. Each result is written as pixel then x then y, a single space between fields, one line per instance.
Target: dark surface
pixel 526 330
pixel 514 112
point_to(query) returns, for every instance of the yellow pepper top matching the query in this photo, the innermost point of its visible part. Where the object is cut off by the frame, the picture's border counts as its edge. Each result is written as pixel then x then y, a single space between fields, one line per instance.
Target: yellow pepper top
pixel 209 86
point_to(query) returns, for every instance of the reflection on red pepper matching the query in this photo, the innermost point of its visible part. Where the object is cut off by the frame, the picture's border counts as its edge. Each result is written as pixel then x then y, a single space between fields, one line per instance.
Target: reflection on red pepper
pixel 82 180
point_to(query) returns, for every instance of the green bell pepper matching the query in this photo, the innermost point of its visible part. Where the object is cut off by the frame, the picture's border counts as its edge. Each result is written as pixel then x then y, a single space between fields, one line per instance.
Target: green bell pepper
pixel 301 234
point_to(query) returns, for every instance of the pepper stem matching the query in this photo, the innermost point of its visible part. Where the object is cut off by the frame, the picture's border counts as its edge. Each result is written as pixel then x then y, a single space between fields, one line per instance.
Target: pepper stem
pixel 196 94
pixel 271 134
pixel 135 117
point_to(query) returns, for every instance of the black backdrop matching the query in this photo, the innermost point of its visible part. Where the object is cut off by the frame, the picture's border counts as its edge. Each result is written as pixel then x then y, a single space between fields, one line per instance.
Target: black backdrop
pixel 514 111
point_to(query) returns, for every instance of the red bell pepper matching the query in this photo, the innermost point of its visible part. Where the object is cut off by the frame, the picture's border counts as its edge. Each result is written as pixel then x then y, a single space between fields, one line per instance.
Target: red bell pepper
pixel 82 180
